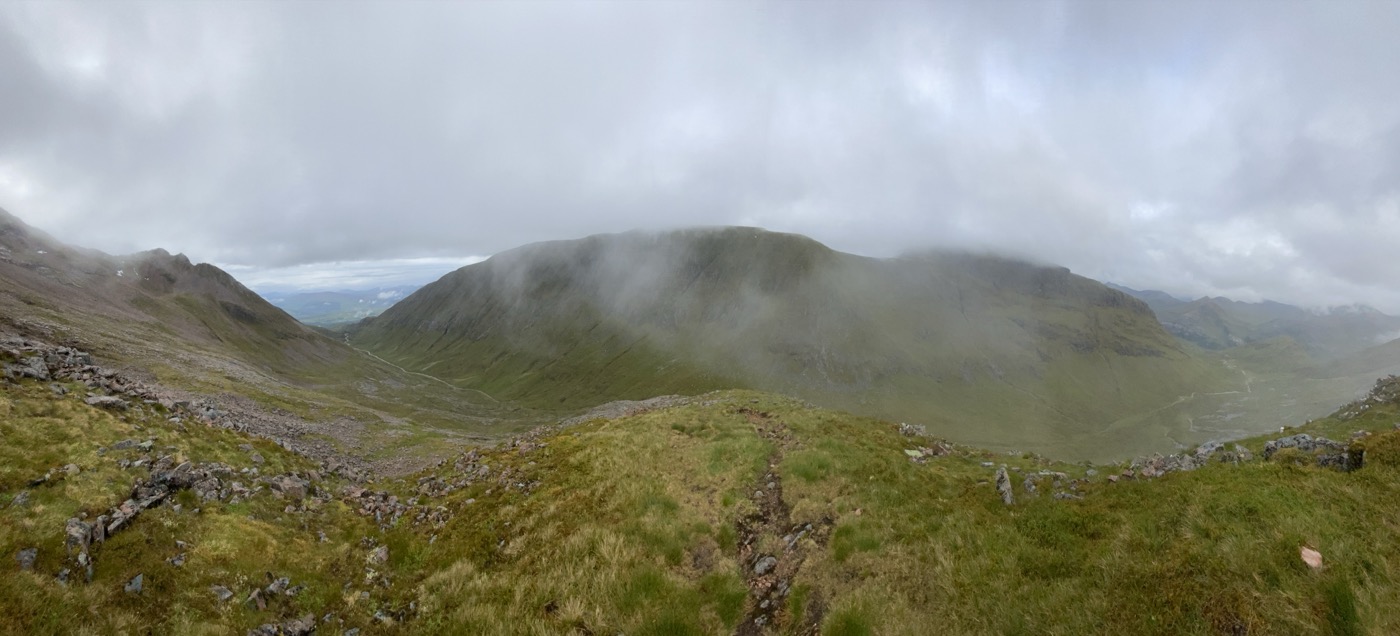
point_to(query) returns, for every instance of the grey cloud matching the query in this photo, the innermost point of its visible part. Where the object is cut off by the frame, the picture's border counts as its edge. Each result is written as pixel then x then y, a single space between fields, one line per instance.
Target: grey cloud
pixel 1244 148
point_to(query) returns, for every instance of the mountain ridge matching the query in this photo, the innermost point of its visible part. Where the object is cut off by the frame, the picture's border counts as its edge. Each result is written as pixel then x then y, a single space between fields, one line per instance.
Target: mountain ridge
pixel 704 309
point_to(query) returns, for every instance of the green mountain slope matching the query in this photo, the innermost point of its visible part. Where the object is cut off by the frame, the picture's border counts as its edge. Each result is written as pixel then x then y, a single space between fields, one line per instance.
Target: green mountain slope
pixel 981 349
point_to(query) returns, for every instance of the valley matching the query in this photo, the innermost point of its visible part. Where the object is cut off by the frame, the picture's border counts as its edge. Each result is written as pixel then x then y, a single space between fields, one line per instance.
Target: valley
pixel 717 431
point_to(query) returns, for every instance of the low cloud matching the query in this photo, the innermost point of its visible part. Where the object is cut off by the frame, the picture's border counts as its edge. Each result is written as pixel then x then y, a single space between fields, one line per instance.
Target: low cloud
pixel 1245 149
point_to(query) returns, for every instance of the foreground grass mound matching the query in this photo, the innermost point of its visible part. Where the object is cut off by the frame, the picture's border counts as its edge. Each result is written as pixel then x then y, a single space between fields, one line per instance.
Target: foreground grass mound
pixel 728 513
pixel 638 526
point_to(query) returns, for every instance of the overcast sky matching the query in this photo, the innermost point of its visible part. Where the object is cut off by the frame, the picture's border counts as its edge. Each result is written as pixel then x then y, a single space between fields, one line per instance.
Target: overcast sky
pixel 1251 150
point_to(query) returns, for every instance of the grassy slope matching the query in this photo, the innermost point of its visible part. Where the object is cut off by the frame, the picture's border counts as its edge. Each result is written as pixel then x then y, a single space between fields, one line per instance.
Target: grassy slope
pixel 228 544
pixel 1212 551
pixel 630 525
pixel 983 350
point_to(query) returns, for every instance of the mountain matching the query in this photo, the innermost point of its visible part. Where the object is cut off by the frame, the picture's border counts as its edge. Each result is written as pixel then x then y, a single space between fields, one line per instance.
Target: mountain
pixel 982 349
pixel 127 503
pixel 129 298
pixel 198 331
pixel 332 308
pixel 1220 323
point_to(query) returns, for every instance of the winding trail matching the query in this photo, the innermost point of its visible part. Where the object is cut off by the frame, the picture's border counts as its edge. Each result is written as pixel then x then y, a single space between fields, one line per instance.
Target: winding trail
pixel 772 547
pixel 421 375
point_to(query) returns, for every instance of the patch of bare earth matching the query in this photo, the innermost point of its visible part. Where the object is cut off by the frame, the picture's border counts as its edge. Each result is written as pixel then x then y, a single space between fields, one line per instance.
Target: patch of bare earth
pixel 772 547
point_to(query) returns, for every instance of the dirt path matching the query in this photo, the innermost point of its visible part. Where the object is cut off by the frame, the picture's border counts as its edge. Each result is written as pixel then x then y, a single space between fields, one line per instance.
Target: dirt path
pixel 421 375
pixel 772 547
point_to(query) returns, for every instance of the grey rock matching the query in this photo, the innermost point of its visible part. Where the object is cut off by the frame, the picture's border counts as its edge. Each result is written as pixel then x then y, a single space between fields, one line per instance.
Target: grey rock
pixel 77 535
pixel 107 402
pixel 300 626
pixel 379 556
pixel 135 585
pixel 765 565
pixel 20 500
pixel 1209 448
pixel 26 558
pixel 278 586
pixel 222 593
pixel 1004 486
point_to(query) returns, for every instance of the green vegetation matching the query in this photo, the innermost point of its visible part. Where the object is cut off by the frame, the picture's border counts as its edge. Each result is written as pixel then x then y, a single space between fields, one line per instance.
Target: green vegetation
pixel 634 525
pixel 982 350
pixel 229 544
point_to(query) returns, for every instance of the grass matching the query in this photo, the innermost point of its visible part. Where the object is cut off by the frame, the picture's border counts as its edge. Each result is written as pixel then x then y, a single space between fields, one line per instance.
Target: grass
pixel 629 526
pixel 231 545
pixel 1211 551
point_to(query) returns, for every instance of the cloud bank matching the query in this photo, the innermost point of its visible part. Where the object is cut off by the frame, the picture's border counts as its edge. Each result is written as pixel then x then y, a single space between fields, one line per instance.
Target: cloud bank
pixel 1248 148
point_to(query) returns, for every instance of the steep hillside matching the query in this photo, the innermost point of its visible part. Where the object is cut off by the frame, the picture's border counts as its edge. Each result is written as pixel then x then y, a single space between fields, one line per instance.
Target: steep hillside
pixel 981 349
pixel 153 291
pixel 194 328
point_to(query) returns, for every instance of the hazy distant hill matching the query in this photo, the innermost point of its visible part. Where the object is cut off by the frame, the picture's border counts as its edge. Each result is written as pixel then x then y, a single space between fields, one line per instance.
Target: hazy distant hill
pixel 989 350
pixel 330 308
pixel 1218 323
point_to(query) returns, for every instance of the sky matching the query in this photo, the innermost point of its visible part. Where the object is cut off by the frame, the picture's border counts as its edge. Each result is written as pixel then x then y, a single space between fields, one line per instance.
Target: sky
pixel 1247 149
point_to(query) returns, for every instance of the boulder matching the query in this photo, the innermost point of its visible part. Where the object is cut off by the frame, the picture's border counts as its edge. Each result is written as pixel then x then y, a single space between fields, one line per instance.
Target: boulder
pixel 107 402
pixel 1004 486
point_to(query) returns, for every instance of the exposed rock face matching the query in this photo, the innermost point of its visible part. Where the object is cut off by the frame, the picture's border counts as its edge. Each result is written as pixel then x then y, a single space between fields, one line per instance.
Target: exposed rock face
pixel 1326 452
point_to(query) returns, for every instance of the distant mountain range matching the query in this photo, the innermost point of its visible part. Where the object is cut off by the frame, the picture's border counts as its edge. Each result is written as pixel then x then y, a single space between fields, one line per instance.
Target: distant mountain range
pixel 331 308
pixel 1220 323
